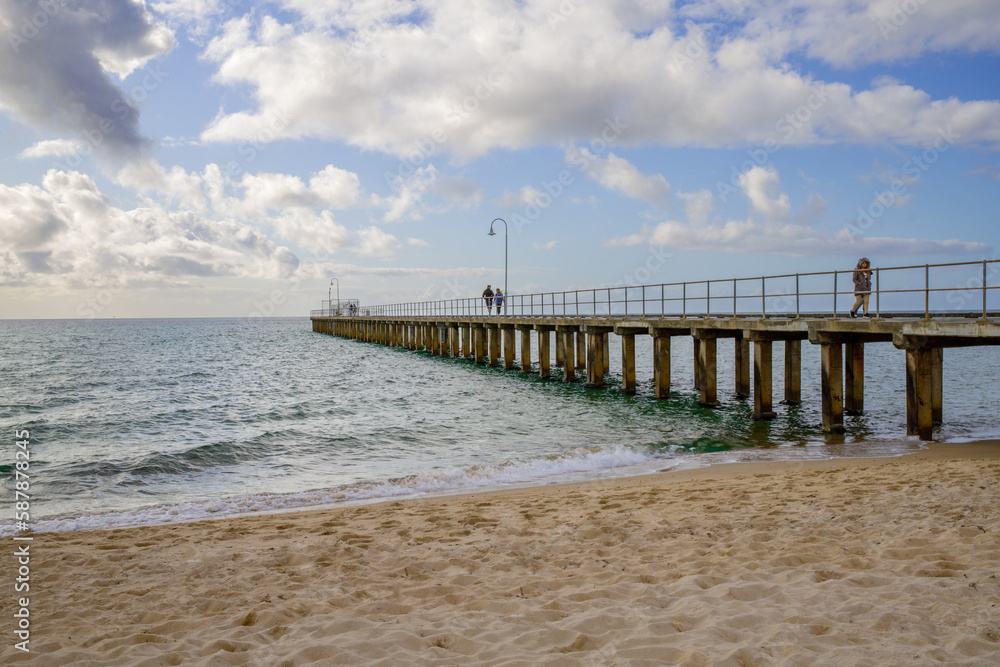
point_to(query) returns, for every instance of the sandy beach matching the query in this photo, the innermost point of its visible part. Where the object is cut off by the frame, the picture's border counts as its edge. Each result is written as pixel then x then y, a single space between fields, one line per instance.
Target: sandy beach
pixel 844 562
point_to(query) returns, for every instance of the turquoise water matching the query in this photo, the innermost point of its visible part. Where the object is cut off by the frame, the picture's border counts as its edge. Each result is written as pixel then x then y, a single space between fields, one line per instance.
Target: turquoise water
pixel 146 421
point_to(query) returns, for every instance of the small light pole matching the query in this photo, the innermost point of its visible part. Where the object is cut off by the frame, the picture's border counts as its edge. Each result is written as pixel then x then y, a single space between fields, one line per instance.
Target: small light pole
pixel 330 295
pixel 492 233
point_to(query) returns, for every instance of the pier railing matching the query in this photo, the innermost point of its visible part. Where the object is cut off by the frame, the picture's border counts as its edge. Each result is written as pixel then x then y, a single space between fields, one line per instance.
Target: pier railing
pixel 958 288
pixel 334 307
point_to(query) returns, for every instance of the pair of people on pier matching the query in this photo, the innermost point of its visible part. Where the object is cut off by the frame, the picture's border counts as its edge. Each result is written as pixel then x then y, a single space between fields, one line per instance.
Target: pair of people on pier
pixel 491 297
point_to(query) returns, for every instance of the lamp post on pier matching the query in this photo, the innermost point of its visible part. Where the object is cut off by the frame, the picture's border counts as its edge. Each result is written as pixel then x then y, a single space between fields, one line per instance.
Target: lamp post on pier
pixel 492 233
pixel 330 296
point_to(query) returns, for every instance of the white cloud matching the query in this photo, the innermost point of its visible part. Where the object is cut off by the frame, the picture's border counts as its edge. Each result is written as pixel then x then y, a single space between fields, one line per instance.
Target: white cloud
pixel 544 246
pixel 773 228
pixel 417 242
pixel 274 191
pixel 376 243
pixel 318 234
pixel 190 12
pixel 762 188
pixel 177 185
pixel 254 196
pixel 867 31
pixel 697 205
pixel 56 147
pixel 336 188
pixel 619 175
pixel 297 212
pixel 467 78
pixel 66 234
pixel 406 201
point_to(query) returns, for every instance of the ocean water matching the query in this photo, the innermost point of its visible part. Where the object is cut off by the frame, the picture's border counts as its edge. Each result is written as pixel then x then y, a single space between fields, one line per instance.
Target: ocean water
pixel 149 421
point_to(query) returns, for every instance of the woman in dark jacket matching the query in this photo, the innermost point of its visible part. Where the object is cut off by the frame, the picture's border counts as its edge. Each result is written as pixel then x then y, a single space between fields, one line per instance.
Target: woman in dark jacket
pixel 862 285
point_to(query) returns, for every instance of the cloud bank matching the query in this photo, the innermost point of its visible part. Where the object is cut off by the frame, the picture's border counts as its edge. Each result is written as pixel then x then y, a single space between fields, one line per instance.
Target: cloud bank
pixel 471 77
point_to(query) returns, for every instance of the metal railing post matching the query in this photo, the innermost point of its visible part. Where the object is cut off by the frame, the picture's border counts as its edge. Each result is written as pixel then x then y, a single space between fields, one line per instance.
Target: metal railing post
pixel 763 297
pixel 834 295
pixel 984 289
pixel 734 298
pixel 797 311
pixel 878 311
pixel 927 291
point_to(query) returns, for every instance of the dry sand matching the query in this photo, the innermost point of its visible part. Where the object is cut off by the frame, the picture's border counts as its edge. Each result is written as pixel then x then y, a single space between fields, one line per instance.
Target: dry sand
pixel 846 562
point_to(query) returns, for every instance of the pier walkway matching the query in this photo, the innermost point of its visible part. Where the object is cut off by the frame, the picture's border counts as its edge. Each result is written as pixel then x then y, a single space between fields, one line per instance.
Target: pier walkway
pixel 580 321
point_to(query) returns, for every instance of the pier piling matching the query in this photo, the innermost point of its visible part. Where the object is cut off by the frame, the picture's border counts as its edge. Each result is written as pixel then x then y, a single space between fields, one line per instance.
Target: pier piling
pixel 525 347
pixel 583 342
pixel 832 386
pixel 544 357
pixel 793 372
pixel 628 363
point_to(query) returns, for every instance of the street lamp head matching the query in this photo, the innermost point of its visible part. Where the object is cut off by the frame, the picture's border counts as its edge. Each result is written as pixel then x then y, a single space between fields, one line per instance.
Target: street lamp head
pixel 492 233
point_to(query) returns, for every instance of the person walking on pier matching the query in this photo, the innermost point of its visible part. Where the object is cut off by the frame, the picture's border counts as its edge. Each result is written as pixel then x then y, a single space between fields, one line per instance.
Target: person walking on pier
pixel 488 298
pixel 862 285
pixel 499 302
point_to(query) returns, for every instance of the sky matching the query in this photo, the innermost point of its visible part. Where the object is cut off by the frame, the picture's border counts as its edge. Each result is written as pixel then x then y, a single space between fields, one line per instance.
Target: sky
pixel 201 158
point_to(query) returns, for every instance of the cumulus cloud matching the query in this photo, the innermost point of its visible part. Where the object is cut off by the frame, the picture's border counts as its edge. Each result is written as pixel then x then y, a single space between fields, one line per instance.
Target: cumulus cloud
pixel 66 233
pixel 619 175
pixel 697 205
pixel 772 227
pixel 55 71
pixel 406 202
pixel 51 147
pixel 376 243
pixel 253 195
pixel 190 12
pixel 865 31
pixel 467 78
pixel 762 187
pixel 319 234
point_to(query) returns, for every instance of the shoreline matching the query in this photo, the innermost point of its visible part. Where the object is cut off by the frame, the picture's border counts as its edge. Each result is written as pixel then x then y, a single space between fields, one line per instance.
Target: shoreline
pixel 153 515
pixel 837 561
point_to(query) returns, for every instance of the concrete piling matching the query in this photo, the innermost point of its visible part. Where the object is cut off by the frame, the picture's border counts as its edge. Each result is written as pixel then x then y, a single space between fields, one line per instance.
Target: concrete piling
pixel 628 363
pixel 854 377
pixel 832 386
pixel 525 348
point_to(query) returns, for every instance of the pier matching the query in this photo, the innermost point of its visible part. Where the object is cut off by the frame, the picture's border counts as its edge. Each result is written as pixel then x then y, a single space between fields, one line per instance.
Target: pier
pixel 775 308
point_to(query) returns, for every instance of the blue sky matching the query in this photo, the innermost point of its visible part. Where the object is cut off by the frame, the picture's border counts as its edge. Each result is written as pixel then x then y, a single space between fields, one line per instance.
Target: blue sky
pixel 228 158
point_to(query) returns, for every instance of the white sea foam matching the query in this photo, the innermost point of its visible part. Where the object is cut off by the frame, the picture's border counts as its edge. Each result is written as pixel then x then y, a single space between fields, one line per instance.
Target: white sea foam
pixel 599 462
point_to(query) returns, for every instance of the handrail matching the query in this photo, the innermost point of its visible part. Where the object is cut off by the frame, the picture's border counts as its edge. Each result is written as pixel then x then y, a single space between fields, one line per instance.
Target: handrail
pixel 789 295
